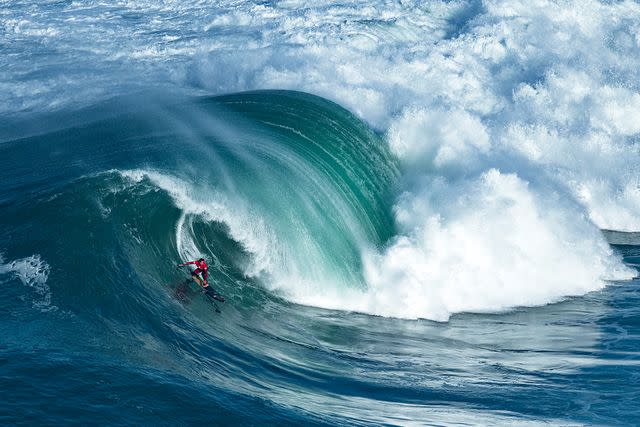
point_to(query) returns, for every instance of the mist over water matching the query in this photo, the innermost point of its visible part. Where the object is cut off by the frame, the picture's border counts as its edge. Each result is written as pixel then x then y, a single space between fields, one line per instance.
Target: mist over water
pixel 394 163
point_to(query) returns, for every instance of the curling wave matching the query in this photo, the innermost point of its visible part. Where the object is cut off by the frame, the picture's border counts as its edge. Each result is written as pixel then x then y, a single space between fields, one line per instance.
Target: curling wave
pixel 316 209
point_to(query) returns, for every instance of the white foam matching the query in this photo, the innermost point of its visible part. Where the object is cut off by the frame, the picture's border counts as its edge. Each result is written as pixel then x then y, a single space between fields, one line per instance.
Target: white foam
pixel 486 244
pixel 33 272
pixel 245 227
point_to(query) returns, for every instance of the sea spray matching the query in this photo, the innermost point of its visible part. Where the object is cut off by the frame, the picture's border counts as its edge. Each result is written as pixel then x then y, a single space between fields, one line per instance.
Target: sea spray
pixel 33 272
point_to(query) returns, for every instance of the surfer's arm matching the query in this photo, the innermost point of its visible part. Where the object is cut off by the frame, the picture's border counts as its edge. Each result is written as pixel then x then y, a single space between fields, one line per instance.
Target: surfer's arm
pixel 186 263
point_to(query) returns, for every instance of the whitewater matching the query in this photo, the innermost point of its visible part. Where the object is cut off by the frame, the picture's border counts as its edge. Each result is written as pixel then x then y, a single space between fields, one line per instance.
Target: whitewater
pixel 427 208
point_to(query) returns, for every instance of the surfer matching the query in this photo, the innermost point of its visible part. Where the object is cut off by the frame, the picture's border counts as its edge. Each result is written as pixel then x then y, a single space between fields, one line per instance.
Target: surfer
pixel 201 268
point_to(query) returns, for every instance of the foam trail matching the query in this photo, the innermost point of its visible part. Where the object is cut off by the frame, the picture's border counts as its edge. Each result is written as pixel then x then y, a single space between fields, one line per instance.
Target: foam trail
pixel 244 227
pixel 186 246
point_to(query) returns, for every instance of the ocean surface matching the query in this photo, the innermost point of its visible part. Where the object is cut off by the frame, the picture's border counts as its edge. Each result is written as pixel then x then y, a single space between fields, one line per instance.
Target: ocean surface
pixel 419 212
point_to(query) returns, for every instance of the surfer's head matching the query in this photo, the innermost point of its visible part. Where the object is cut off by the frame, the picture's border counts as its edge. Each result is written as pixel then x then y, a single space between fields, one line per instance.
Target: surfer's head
pixel 201 260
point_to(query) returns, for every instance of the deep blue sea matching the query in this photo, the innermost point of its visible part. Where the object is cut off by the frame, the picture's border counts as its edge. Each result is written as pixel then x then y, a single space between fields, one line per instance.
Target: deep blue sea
pixel 419 212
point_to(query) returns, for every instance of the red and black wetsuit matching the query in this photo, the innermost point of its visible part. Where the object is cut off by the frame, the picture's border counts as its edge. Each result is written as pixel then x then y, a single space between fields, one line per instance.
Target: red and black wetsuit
pixel 202 267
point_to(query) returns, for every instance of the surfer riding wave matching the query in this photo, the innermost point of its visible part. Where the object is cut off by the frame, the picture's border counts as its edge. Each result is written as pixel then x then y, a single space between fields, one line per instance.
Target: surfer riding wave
pixel 202 269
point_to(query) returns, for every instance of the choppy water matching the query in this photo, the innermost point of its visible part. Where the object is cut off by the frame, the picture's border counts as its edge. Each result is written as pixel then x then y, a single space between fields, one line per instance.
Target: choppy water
pixel 424 248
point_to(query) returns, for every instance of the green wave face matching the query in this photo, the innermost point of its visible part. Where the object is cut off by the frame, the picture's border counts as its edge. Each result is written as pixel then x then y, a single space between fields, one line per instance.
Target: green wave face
pixel 299 182
pixel 280 188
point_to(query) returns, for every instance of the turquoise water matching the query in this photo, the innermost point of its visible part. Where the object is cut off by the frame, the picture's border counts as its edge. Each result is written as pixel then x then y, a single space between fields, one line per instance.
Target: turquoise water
pixel 420 213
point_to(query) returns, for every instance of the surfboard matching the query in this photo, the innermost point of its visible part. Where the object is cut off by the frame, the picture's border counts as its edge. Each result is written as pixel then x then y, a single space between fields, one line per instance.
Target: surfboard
pixel 209 291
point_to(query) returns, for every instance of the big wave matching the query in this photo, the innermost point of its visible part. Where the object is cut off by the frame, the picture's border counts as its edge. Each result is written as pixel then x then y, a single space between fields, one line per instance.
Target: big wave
pixel 319 213
pixel 514 128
